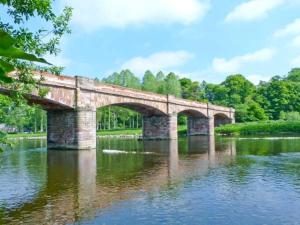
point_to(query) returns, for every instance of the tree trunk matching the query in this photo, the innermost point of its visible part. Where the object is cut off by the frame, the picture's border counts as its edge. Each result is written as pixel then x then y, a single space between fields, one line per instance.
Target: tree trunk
pixel 109 118
pixel 42 123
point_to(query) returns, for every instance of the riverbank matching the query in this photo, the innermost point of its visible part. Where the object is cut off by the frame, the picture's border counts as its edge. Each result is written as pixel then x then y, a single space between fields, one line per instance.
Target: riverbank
pixel 251 128
pixel 262 127
pixel 123 133
pixel 27 135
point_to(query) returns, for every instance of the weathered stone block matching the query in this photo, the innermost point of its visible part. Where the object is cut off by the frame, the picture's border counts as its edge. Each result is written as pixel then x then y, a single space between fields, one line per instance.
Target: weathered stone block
pixel 160 127
pixel 71 129
pixel 200 126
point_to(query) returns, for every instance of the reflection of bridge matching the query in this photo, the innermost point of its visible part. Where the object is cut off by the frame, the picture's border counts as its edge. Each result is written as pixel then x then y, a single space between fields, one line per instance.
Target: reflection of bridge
pixel 76 188
pixel 72 102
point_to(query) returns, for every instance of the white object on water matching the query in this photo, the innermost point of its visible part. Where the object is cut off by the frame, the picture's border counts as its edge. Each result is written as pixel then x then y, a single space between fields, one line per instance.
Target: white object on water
pixel 110 151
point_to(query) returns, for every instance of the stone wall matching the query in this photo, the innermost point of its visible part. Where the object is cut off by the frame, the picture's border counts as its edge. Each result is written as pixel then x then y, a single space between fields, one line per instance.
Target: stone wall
pixel 160 127
pixel 71 129
pixel 197 126
pixel 218 121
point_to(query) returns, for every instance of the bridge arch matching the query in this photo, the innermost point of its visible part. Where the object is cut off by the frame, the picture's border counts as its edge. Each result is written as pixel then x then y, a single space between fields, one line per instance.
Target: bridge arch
pixel 135 102
pixel 47 103
pixel 197 122
pixel 143 109
pixel 221 119
pixel 192 113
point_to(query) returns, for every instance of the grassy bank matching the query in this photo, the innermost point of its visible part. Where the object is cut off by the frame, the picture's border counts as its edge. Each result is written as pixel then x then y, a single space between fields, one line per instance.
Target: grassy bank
pixel 26 135
pixel 263 127
pixel 118 132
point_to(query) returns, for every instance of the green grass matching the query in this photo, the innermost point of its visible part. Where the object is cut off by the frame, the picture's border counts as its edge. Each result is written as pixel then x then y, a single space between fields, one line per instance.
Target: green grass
pixel 120 132
pixel 262 127
pixel 181 132
pixel 26 135
pixel 251 128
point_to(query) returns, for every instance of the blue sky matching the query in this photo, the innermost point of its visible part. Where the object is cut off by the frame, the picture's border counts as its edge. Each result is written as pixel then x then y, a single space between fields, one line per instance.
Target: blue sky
pixel 199 39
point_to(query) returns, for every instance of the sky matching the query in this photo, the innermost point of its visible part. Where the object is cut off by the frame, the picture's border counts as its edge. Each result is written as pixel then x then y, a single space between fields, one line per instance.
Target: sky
pixel 199 39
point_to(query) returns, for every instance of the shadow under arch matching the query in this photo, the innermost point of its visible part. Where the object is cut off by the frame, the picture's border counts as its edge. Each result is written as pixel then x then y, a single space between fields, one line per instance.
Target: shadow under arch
pixel 143 109
pixel 197 122
pixel 154 121
pixel 44 102
pixel 221 119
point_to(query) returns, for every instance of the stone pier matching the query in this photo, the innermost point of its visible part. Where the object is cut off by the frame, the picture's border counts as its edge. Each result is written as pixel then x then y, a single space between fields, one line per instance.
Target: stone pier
pixel 160 127
pixel 71 129
pixel 200 126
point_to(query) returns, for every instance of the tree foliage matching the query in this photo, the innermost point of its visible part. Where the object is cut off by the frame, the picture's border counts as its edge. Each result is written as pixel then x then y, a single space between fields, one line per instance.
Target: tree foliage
pixel 8 51
pixel 150 83
pixel 21 46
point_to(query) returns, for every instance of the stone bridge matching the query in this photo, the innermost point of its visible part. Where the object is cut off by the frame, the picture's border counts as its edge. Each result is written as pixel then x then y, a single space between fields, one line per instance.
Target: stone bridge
pixel 71 105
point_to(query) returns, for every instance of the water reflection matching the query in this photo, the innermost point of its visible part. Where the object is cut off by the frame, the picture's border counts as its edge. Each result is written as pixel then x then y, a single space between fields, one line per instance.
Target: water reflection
pixel 68 170
pixel 79 184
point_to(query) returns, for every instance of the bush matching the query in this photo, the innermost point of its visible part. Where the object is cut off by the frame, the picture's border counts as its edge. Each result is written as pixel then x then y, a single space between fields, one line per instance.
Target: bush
pixel 264 127
pixel 290 116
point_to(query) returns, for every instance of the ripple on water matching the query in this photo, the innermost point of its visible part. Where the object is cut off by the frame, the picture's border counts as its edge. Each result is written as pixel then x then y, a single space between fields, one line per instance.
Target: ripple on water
pixel 259 185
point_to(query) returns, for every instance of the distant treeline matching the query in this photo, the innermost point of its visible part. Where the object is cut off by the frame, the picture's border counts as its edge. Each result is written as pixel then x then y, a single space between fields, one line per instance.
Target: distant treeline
pixel 279 98
pixel 260 127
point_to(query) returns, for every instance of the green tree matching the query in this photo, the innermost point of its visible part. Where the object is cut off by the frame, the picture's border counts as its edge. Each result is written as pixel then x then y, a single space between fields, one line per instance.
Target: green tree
pixel 290 116
pixel 149 82
pixel 294 75
pixel 190 89
pixel 113 117
pixel 125 79
pixel 161 83
pixel 249 111
pixel 16 39
pixel 238 89
pixel 173 86
pixel 216 93
pixel 280 96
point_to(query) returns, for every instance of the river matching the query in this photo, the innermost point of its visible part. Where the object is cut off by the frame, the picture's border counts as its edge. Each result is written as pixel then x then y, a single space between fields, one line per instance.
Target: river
pixel 196 180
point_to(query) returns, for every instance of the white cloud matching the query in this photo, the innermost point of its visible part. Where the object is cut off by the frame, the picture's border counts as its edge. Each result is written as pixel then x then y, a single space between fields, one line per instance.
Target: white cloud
pixel 295 62
pixel 290 29
pixel 157 61
pixel 232 65
pixel 252 10
pixel 296 41
pixel 256 78
pixel 58 60
pixel 94 14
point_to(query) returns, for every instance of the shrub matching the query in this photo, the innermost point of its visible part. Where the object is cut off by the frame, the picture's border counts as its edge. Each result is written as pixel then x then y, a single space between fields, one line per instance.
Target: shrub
pixel 290 116
pixel 263 127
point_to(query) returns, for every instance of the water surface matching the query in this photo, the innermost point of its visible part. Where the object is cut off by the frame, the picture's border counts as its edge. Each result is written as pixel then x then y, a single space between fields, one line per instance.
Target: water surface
pixel 197 180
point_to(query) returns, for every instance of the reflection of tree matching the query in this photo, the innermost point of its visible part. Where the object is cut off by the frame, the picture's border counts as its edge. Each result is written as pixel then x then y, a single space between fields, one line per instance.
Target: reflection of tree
pixel 291 167
pixel 251 157
pixel 265 147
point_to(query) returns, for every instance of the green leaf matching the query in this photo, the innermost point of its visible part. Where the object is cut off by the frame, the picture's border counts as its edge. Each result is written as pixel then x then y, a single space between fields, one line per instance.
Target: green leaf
pixel 15 53
pixel 6 40
pixel 5 68
pixel 3 1
pixel 7 49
